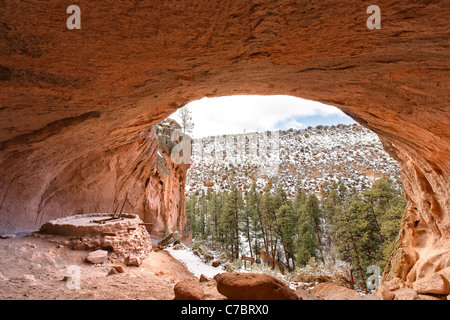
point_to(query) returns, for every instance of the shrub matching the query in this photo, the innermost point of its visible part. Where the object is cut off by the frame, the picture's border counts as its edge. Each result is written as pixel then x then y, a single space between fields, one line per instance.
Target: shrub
pixel 317 272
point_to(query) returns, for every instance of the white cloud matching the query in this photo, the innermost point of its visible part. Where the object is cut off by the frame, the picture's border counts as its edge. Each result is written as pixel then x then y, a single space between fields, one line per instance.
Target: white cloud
pixel 292 123
pixel 234 114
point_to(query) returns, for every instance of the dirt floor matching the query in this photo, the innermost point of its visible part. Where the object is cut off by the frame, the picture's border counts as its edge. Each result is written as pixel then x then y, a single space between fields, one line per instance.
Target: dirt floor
pixel 34 268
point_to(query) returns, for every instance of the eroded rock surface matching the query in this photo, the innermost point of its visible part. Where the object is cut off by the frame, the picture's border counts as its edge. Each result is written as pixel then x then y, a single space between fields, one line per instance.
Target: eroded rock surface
pixel 126 238
pixel 253 286
pixel 74 102
pixel 188 289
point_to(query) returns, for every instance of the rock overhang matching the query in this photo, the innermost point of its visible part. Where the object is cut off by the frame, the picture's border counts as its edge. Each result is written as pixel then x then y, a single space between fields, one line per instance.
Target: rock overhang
pixel 134 63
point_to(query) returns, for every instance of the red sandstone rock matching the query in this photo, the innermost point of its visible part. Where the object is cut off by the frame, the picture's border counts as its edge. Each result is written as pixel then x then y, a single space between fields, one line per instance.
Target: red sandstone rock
pixel 405 294
pixel 394 284
pixel 75 101
pixel 253 286
pixel 432 284
pixel 133 261
pixel 384 293
pixel 97 256
pixel 204 278
pixel 116 270
pixel 331 291
pixel 188 289
pixel 304 294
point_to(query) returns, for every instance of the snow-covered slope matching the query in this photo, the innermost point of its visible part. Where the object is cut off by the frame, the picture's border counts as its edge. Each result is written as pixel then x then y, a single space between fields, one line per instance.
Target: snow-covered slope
pixel 345 152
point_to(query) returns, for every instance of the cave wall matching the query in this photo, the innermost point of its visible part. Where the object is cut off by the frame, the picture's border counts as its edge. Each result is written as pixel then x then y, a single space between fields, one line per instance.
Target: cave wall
pixel 138 174
pixel 72 100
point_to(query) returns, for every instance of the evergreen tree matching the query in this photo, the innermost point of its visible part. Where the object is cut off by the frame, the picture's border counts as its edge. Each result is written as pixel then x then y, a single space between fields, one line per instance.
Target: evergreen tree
pixel 202 215
pixel 191 214
pixel 299 198
pixel 214 208
pixel 356 235
pixel 362 225
pixel 286 221
pixel 306 243
pixel 254 201
pixel 313 214
pixel 231 218
pixel 268 226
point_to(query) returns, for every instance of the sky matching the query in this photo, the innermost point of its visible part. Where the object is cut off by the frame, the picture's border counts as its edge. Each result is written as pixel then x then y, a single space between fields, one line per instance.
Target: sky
pixel 239 114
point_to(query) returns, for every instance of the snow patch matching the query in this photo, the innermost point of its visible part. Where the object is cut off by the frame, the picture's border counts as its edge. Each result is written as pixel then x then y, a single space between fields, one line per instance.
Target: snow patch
pixel 194 263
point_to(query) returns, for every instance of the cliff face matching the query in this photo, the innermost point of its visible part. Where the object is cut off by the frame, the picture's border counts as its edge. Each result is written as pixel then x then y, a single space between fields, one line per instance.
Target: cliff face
pixel 71 100
pixel 351 154
pixel 137 173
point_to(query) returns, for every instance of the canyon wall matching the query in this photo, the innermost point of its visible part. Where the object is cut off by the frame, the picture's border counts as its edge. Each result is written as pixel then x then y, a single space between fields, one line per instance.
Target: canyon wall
pixel 137 176
pixel 71 101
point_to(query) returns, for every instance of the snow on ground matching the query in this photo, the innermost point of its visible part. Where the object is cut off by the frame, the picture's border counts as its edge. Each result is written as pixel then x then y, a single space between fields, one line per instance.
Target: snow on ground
pixel 194 263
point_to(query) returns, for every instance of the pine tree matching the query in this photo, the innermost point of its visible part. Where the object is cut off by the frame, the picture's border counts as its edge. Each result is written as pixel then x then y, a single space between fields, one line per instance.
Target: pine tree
pixel 254 208
pixel 356 235
pixel 214 208
pixel 330 204
pixel 202 215
pixel 313 213
pixel 268 226
pixel 231 218
pixel 306 243
pixel 286 221
pixel 390 222
pixel 299 198
pixel 191 204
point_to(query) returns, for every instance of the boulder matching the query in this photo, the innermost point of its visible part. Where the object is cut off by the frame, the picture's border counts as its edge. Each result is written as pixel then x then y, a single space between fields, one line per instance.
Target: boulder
pixel 405 294
pixel 434 283
pixel 204 278
pixel 98 256
pixel 332 291
pixel 384 293
pixel 394 284
pixel 446 273
pixel 188 289
pixel 253 286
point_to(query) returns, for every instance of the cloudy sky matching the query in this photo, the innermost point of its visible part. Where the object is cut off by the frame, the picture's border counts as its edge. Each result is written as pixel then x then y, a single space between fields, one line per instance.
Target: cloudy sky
pixel 238 114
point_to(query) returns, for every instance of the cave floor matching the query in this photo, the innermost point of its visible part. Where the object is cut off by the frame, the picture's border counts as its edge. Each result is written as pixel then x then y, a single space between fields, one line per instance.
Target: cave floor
pixel 33 268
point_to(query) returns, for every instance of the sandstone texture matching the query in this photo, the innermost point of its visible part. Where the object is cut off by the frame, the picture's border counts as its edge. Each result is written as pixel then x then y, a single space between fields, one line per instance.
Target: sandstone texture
pixel 126 238
pixel 43 273
pixel 97 256
pixel 253 286
pixel 75 105
pixel 304 294
pixel 434 286
pixel 331 291
pixel 188 289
